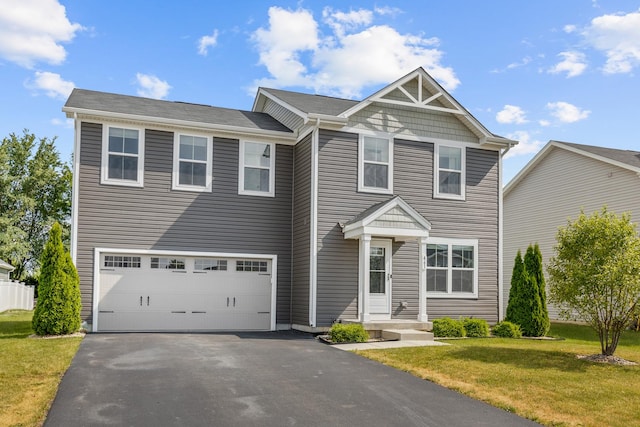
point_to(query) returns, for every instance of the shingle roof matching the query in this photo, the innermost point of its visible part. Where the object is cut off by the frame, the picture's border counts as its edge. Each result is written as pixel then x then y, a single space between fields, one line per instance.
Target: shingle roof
pixel 6 266
pixel 308 103
pixel 198 113
pixel 629 157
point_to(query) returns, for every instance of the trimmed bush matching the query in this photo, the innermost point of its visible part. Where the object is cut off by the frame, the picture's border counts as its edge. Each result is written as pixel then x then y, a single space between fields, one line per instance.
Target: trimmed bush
pixel 507 329
pixel 447 327
pixel 353 332
pixel 476 328
pixel 58 308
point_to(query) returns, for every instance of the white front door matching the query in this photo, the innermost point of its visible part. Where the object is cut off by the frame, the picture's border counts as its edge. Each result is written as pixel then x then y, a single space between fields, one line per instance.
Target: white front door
pixel 380 279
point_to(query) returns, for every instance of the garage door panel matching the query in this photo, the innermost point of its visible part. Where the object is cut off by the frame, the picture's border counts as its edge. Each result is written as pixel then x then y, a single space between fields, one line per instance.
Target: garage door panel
pixel 184 293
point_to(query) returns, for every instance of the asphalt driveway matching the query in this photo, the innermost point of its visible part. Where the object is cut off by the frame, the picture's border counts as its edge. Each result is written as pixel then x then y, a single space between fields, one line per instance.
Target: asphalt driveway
pixel 260 379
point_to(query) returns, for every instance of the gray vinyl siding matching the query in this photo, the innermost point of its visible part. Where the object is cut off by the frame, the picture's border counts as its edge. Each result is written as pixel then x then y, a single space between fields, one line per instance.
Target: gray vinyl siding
pixel 156 217
pixel 554 190
pixel 339 201
pixel 301 242
pixel 282 114
pixel 411 122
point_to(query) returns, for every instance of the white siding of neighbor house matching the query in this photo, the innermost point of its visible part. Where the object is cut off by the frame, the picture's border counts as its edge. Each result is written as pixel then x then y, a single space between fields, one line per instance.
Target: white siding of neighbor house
pixel 555 190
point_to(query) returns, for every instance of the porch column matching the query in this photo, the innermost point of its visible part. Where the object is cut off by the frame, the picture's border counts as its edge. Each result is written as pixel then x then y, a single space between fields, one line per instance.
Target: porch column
pixel 422 279
pixel 363 276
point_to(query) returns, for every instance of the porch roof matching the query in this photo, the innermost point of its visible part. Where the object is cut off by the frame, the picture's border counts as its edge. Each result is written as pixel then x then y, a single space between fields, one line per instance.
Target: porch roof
pixel 393 218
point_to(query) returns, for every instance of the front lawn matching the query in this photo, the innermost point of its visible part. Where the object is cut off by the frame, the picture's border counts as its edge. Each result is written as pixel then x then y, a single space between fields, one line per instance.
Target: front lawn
pixel 30 369
pixel 540 380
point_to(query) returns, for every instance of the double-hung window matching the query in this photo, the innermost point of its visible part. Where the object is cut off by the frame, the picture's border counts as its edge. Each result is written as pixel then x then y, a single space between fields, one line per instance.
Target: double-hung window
pixel 257 168
pixel 122 156
pixel 376 165
pixel 452 268
pixel 450 175
pixel 192 162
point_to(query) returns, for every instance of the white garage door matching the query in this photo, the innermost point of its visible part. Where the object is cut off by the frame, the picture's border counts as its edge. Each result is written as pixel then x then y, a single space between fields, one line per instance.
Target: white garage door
pixel 183 293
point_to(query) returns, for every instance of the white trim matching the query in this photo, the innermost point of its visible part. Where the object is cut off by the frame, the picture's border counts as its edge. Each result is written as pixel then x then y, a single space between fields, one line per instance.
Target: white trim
pixel 313 247
pixel 422 281
pixel 104 166
pixel 451 242
pixel 387 244
pixel 97 253
pixel 286 137
pixel 272 170
pixel 436 173
pixel 361 162
pixel 363 277
pixel 75 189
pixel 175 184
pixel 264 92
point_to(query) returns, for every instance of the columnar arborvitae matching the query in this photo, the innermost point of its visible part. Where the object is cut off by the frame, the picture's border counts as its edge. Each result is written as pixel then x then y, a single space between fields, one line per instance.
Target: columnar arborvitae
pixel 527 297
pixel 516 311
pixel 58 308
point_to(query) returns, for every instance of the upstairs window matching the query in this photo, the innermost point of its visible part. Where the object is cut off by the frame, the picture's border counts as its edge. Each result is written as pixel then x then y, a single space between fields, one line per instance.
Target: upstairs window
pixel 192 163
pixel 122 156
pixel 449 176
pixel 452 268
pixel 376 165
pixel 257 169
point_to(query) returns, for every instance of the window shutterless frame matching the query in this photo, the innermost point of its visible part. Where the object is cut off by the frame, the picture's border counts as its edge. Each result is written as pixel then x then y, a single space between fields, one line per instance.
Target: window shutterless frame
pixel 448 266
pixel 257 169
pixel 192 162
pixel 375 164
pixel 122 155
pixel 449 175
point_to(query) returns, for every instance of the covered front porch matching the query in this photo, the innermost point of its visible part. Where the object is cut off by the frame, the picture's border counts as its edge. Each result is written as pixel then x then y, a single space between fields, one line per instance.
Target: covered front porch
pixel 377 229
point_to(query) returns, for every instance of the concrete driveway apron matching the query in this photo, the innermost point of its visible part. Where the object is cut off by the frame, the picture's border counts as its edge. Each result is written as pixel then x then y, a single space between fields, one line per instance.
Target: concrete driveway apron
pixel 259 379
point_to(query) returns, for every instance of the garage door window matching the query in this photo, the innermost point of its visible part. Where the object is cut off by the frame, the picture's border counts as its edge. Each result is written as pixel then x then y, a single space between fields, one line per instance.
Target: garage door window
pixel 207 264
pixel 168 263
pixel 122 261
pixel 249 265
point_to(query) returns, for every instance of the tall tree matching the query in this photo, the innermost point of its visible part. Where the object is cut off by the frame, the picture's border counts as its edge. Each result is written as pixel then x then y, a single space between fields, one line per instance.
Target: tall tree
pixel 35 192
pixel 518 277
pixel 537 324
pixel 57 311
pixel 595 272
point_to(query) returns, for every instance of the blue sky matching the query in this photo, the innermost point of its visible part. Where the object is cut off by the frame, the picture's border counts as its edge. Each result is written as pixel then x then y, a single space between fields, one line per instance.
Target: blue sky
pixel 532 71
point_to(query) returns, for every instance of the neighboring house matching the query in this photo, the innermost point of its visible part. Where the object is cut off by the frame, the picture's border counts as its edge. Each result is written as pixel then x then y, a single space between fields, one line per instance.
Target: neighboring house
pixel 5 269
pixel 305 211
pixel 555 185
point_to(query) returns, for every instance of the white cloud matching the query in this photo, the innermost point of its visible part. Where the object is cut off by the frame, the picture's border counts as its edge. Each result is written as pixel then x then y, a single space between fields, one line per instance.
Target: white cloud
pixel 523 62
pixel 511 114
pixel 205 42
pixel 573 63
pixel 544 123
pixel 618 36
pixel 526 144
pixel 569 28
pixel 352 52
pixel 567 113
pixel 52 84
pixel 67 123
pixel 34 30
pixel 151 86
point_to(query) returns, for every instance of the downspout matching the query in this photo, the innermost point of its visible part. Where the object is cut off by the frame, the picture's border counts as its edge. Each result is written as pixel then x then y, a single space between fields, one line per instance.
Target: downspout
pixel 313 264
pixel 75 188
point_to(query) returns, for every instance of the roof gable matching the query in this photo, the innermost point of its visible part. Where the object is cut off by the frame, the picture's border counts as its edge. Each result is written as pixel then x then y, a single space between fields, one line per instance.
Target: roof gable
pixel 625 159
pixel 393 218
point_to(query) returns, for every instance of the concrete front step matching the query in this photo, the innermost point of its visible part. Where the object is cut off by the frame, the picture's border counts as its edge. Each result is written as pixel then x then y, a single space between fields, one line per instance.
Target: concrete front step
pixel 378 325
pixel 406 335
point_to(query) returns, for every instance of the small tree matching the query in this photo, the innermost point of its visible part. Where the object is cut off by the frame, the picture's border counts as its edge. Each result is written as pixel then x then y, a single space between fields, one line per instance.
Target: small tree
pixel 515 306
pixel 58 308
pixel 596 272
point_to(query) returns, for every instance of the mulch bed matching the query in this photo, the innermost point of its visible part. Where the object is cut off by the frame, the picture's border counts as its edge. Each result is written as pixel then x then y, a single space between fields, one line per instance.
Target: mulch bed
pixel 602 358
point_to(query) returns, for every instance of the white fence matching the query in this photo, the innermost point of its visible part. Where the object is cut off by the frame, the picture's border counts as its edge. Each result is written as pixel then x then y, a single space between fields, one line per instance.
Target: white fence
pixel 15 296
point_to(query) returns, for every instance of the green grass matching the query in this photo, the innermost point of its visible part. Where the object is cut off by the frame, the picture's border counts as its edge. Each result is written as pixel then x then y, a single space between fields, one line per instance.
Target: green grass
pixel 537 379
pixel 30 370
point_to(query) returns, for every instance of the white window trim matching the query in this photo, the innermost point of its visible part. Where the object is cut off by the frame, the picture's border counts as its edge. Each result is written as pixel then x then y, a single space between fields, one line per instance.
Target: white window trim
pixel 175 185
pixel 436 173
pixel 361 186
pixel 272 171
pixel 104 167
pixel 451 243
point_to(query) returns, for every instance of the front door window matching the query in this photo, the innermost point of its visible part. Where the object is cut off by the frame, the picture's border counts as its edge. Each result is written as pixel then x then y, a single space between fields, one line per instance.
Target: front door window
pixel 377 271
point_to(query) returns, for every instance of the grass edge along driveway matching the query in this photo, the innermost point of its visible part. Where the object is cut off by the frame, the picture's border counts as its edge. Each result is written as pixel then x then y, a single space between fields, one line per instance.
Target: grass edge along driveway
pixel 538 379
pixel 30 369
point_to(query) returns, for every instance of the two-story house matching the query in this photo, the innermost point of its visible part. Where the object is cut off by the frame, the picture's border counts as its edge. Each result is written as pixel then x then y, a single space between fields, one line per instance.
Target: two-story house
pixel 304 211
